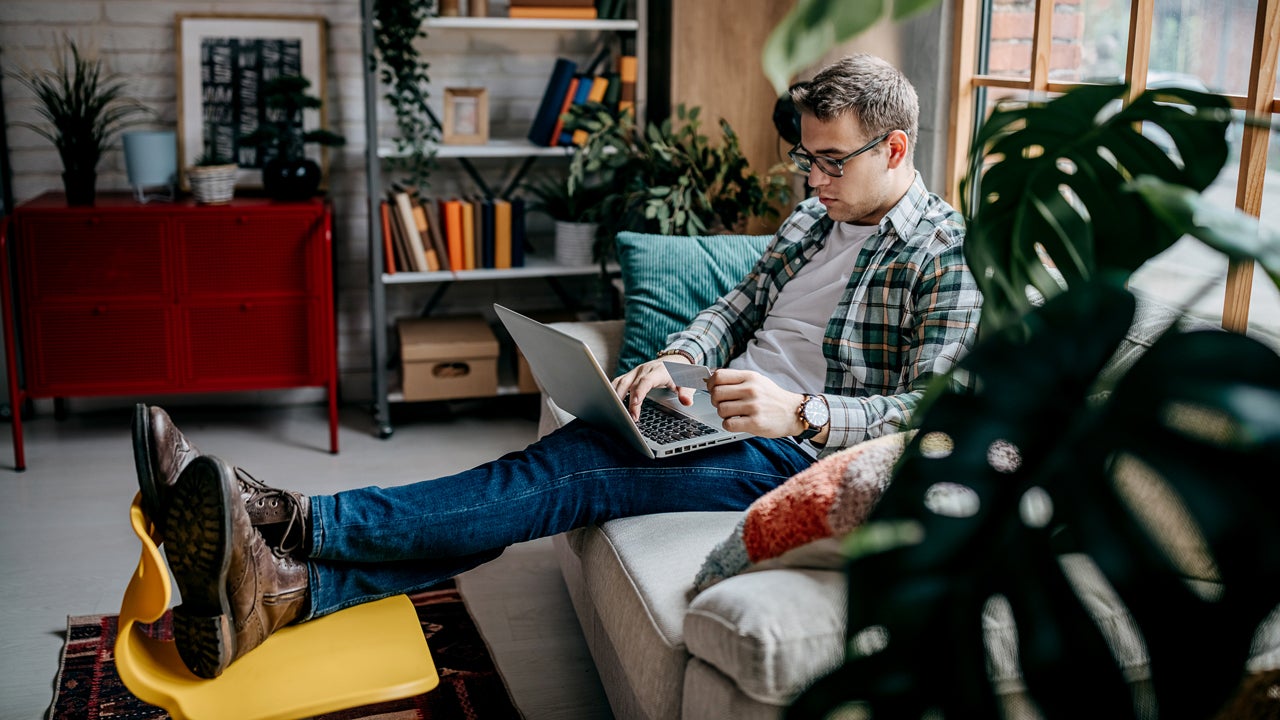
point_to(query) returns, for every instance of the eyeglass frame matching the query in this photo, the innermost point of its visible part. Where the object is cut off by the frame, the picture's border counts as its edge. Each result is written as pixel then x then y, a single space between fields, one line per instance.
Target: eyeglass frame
pixel 811 160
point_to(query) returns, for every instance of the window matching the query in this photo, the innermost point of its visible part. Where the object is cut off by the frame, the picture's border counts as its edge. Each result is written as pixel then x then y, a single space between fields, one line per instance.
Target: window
pixel 1021 48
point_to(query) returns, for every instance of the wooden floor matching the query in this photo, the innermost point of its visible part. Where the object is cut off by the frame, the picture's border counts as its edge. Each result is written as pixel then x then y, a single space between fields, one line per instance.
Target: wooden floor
pixel 66 547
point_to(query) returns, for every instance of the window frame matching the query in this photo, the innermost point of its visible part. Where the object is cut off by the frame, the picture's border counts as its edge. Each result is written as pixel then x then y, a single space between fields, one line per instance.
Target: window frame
pixel 968 97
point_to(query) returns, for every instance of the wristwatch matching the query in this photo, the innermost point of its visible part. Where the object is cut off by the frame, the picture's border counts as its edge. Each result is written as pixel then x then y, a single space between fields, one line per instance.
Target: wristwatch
pixel 815 415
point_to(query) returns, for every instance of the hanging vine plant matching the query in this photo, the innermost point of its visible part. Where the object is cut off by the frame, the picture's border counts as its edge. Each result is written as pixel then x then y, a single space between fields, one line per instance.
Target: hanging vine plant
pixel 397 24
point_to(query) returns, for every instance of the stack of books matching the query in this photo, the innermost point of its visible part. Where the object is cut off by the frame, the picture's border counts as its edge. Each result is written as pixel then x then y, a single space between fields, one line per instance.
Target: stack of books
pixel 557 9
pixel 567 87
pixel 428 235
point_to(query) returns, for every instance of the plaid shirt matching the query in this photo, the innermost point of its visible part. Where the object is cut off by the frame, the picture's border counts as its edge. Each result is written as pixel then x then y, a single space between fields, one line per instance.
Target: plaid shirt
pixel 909 312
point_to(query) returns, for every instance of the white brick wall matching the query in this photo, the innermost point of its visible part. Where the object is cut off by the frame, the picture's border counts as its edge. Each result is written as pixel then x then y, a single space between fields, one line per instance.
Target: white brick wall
pixel 137 38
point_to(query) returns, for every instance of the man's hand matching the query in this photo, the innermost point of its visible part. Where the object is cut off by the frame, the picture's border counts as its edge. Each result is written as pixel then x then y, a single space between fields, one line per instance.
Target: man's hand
pixel 751 402
pixel 633 386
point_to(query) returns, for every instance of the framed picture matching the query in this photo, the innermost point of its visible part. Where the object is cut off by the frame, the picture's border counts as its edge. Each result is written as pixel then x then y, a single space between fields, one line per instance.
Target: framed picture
pixel 466 116
pixel 222 62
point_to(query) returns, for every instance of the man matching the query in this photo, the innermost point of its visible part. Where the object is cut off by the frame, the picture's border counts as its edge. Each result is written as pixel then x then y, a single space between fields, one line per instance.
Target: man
pixel 862 298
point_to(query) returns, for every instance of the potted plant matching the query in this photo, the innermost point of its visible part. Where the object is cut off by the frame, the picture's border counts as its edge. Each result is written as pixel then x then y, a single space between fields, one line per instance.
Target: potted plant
pixel 287 173
pixel 668 177
pixel 575 212
pixel 212 179
pixel 1060 459
pixel 86 107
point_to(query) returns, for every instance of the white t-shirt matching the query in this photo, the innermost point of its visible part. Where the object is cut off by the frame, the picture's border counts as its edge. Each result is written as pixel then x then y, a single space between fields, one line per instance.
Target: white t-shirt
pixel 788 347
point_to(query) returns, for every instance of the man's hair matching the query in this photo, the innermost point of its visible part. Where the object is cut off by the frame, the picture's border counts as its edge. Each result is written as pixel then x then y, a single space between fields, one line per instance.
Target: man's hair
pixel 877 93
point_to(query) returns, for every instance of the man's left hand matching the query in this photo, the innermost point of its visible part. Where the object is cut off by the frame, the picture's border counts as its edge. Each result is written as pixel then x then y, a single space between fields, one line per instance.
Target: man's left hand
pixel 751 402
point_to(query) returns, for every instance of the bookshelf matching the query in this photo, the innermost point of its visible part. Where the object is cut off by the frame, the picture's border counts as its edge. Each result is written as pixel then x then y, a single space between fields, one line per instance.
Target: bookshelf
pixel 499 148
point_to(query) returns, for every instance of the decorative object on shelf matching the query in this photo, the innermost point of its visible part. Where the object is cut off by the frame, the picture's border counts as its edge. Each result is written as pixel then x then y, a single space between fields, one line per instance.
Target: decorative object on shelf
pixel 1079 460
pixel 575 242
pixel 151 161
pixel 224 63
pixel 478 8
pixel 397 25
pixel 212 180
pixel 668 178
pixel 86 106
pixel 466 116
pixel 288 174
pixel 575 213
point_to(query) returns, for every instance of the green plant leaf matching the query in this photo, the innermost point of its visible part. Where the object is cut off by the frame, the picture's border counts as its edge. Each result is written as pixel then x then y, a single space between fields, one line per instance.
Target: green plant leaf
pixel 1231 231
pixel 811 29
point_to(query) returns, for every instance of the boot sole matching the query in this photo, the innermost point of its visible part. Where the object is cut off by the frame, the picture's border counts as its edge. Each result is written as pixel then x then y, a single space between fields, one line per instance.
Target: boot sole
pixel 146 469
pixel 199 552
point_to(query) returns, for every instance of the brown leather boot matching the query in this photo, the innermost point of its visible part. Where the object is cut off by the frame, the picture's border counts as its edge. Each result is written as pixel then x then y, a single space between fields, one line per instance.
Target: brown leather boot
pixel 161 452
pixel 235 589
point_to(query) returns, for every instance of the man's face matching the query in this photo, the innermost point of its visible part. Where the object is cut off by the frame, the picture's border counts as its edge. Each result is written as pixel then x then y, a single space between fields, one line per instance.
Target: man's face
pixel 862 194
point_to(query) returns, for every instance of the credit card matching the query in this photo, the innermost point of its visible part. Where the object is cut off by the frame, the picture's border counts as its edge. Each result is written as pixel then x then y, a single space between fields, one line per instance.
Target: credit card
pixel 686 375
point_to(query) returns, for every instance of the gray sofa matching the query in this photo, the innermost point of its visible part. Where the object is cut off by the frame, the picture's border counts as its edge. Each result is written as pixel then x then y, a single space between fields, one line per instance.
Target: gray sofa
pixel 745 647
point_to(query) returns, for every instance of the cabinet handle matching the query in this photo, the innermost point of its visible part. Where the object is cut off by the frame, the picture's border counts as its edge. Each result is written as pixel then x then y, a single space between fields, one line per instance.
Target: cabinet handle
pixel 100 310
pixel 242 219
pixel 246 306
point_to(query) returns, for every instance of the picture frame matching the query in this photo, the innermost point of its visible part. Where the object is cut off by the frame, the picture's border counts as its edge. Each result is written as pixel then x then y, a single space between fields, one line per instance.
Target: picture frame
pixel 466 116
pixel 221 59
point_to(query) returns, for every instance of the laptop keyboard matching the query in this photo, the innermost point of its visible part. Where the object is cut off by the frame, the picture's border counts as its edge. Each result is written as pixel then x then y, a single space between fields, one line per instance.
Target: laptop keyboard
pixel 664 425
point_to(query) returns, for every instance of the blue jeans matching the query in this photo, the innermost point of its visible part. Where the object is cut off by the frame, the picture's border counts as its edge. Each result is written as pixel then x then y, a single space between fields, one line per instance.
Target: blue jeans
pixel 376 542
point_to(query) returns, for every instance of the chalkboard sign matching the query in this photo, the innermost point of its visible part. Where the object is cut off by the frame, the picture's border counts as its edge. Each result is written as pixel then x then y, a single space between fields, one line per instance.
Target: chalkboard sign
pixel 232 71
pixel 223 63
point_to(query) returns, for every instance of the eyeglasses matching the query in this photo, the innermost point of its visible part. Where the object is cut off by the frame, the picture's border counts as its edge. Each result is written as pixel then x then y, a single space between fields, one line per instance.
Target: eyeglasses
pixel 831 166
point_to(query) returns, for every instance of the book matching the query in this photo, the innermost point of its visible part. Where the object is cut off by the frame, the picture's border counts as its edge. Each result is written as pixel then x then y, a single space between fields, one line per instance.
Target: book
pixel 613 92
pixel 518 234
pixel 435 230
pixel 388 247
pixel 579 98
pixel 552 3
pixel 628 71
pixel 502 233
pixel 468 235
pixel 400 241
pixel 553 13
pixel 420 220
pixel 453 233
pixel 416 249
pixel 599 86
pixel 544 121
pixel 488 236
pixel 564 106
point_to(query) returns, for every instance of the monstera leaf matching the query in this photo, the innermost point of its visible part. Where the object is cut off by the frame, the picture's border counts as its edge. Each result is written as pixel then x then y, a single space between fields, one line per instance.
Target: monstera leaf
pixel 1165 486
pixel 1055 191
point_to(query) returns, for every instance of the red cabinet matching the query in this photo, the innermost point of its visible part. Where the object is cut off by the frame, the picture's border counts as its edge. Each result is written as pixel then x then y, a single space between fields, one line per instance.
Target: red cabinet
pixel 124 299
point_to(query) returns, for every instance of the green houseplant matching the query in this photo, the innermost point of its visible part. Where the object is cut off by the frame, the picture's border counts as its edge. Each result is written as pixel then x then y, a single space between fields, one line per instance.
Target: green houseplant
pixel 669 177
pixel 576 213
pixel 1151 472
pixel 86 107
pixel 287 174
pixel 397 25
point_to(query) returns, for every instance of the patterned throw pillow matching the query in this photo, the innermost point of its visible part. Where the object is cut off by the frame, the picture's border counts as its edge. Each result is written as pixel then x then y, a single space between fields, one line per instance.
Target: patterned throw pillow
pixel 668 279
pixel 828 499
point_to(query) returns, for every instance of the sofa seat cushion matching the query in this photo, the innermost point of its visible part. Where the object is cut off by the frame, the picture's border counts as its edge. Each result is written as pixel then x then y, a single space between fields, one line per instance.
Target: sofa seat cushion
pixel 637 573
pixel 772 632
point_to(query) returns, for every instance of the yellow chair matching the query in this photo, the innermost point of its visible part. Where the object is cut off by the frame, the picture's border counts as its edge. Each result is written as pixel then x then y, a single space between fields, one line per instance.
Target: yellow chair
pixel 365 654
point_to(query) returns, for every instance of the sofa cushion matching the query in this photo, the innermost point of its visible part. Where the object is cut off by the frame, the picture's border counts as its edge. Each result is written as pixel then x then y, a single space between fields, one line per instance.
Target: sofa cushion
pixel 669 279
pixel 637 572
pixel 772 632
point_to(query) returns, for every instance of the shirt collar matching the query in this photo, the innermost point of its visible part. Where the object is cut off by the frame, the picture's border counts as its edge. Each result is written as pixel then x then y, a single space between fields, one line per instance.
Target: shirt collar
pixel 909 211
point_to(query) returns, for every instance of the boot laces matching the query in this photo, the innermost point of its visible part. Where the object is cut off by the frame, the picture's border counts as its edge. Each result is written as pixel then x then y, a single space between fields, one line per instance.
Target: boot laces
pixel 292 537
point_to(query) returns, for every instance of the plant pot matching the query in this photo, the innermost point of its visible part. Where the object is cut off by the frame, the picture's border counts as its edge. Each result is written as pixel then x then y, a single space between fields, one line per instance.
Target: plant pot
pixel 213 184
pixel 79 187
pixel 575 243
pixel 290 180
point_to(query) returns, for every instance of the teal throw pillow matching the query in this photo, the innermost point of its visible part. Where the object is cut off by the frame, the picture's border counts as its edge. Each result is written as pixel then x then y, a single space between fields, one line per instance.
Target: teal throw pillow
pixel 668 279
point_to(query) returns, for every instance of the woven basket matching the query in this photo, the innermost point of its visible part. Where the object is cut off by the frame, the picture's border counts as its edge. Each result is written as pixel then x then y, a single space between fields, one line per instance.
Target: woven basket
pixel 212 184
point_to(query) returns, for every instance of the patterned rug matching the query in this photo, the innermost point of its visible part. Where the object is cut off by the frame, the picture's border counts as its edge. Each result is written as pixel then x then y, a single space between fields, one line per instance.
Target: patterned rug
pixel 88 687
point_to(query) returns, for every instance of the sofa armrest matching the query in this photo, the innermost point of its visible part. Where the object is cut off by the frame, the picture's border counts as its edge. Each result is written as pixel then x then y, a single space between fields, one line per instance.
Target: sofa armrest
pixel 604 337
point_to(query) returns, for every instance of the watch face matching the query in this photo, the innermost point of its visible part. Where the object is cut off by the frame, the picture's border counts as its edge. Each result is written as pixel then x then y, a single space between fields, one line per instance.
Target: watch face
pixel 815 412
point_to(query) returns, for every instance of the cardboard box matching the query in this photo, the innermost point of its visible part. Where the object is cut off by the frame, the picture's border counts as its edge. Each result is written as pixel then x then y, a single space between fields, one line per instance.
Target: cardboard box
pixel 447 358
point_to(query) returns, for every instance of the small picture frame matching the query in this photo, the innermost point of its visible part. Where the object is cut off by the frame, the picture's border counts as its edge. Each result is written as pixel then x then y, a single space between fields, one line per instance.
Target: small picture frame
pixel 466 116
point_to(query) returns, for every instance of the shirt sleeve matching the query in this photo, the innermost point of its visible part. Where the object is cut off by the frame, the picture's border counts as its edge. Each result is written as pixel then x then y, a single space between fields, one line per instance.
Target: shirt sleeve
pixel 943 327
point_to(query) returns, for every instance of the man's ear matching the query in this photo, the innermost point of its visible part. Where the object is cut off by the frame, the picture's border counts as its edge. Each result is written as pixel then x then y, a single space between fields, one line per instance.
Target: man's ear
pixel 899 148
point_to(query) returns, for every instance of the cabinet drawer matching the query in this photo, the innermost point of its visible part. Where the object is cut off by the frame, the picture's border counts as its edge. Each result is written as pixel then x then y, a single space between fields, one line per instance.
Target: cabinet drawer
pixel 235 254
pixel 98 349
pixel 251 344
pixel 83 255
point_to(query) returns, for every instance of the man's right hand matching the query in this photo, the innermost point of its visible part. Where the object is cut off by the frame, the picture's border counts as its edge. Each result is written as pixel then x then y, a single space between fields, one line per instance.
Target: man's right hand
pixel 632 387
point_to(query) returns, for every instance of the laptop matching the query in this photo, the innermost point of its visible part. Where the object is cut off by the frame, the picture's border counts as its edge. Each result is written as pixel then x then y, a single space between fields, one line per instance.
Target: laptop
pixel 572 376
